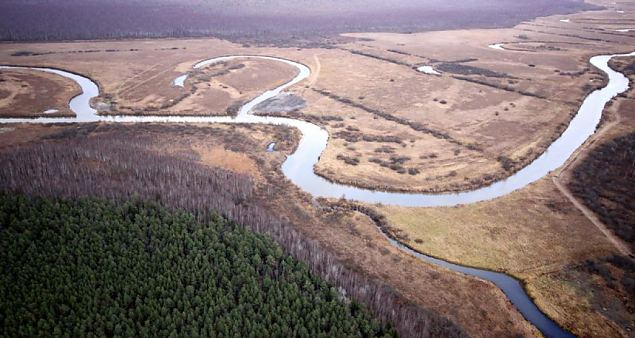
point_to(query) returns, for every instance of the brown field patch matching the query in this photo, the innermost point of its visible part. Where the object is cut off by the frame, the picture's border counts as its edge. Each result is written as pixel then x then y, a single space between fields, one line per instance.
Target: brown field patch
pixel 29 93
pixel 532 234
pixel 225 159
pixel 11 136
pixel 548 232
pixel 210 91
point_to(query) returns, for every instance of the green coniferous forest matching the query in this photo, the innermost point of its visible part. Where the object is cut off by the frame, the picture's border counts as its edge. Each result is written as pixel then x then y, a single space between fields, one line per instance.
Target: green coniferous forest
pixel 90 267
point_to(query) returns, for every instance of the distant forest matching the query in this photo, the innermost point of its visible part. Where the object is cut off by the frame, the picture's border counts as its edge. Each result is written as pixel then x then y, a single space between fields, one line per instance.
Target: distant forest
pixel 276 22
pixel 89 267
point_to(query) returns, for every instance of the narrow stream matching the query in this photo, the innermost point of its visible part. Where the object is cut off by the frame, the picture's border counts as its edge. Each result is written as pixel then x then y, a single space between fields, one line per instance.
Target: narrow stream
pixel 299 166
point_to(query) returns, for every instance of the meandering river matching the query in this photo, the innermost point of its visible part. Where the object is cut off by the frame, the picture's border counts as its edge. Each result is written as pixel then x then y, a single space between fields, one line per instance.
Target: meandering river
pixel 298 167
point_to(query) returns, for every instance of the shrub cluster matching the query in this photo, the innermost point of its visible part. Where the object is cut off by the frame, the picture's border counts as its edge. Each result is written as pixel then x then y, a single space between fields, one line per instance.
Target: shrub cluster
pixel 605 182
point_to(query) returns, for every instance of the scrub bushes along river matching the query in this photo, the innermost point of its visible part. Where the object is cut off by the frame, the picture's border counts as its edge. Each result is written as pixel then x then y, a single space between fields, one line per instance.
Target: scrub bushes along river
pixel 81 267
pixel 117 162
pixel 605 181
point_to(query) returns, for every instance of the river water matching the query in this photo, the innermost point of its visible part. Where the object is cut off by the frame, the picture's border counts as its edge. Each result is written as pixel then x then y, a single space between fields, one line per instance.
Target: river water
pixel 299 166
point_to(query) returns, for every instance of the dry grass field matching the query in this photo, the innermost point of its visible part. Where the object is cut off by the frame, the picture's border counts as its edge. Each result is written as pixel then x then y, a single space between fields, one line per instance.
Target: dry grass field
pixel 495 119
pixel 11 136
pixel 488 114
pixel 211 91
pixel 391 127
pixel 136 77
pixel 25 93
pixel 532 234
pixel 538 234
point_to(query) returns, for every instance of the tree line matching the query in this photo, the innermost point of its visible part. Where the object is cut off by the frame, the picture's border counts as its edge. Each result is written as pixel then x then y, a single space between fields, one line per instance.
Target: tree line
pixel 605 182
pixel 90 267
pixel 118 166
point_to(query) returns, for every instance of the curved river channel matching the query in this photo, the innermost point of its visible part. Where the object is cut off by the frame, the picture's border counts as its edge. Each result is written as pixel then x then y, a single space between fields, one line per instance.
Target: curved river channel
pixel 298 167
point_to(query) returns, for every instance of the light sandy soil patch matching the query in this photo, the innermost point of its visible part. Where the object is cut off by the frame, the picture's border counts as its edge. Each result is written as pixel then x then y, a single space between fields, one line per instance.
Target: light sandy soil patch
pixel 29 93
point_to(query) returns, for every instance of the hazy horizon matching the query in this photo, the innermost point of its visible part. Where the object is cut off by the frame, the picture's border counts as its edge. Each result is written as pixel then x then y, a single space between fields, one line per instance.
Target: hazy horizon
pixel 260 21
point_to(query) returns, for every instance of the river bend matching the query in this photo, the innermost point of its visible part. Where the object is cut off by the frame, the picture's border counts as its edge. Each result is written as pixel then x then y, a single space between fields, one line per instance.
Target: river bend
pixel 299 166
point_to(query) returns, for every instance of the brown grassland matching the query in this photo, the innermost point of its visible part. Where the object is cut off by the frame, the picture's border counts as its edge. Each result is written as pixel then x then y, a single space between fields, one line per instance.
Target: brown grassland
pixel 27 94
pixel 538 234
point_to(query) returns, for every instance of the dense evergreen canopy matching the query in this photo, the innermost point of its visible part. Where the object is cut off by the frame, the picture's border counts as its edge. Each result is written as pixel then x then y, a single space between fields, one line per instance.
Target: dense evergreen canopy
pixel 89 267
